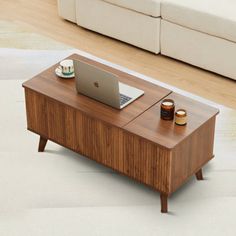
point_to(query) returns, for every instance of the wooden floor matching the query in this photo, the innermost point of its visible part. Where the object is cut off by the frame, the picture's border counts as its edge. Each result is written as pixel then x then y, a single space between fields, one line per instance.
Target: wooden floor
pixel 41 16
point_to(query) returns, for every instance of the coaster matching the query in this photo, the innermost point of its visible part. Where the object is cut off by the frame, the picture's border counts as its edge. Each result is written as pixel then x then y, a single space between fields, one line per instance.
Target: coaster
pixel 59 74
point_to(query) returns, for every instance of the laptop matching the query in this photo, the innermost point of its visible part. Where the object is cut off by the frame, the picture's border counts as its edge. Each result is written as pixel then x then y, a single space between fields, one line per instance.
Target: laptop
pixel 103 86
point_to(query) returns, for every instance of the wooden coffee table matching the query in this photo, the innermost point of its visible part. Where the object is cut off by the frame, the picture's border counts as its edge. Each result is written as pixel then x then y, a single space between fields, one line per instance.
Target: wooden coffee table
pixel 133 141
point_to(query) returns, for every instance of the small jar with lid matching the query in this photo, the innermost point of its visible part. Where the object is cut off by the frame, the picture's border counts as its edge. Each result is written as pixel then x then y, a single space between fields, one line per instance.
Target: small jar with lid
pixel 167 109
pixel 181 117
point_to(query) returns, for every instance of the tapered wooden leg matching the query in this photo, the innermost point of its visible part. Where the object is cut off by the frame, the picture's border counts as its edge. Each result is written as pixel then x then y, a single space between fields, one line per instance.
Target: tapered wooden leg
pixel 199 175
pixel 42 144
pixel 164 203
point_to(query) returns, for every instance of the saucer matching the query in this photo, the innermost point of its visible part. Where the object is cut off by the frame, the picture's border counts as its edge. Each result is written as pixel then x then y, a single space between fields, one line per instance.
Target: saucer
pixel 59 74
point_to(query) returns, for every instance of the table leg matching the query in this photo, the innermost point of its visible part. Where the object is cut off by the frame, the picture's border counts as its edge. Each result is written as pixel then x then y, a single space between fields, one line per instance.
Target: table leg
pixel 42 144
pixel 199 175
pixel 164 203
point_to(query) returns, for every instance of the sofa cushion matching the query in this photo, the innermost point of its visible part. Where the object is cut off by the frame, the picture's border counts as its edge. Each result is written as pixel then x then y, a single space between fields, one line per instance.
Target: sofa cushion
pixel 214 17
pixel 147 7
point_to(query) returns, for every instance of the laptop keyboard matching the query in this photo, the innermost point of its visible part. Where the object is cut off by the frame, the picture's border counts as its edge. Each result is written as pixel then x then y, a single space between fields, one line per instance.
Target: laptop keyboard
pixel 124 99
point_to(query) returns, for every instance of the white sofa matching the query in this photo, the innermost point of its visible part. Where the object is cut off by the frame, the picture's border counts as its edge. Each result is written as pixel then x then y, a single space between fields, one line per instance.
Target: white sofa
pixel 199 32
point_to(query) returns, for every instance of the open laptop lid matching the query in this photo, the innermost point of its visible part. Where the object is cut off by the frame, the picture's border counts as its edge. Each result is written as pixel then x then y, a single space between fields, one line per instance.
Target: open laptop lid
pixel 97 83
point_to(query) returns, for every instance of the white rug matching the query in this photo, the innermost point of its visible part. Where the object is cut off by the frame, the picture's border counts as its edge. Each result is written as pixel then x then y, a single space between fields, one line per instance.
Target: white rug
pixel 61 193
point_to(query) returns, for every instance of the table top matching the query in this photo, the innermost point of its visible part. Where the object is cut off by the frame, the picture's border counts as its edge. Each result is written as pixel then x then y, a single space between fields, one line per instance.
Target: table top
pixel 166 133
pixel 64 91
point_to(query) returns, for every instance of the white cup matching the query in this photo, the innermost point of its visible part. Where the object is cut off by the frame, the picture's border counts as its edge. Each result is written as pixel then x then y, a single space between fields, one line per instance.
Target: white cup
pixel 67 67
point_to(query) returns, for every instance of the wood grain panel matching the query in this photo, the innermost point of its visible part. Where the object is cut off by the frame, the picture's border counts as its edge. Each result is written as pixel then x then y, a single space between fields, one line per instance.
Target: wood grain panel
pixel 99 141
pixel 75 130
pixel 56 121
pixel 106 144
pixel 165 133
pixel 147 162
pixel 191 154
pixel 36 112
pixel 70 127
pixel 50 119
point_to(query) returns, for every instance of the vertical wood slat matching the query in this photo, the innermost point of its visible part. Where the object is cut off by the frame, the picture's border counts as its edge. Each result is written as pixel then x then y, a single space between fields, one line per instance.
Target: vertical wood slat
pixel 57 124
pixel 147 162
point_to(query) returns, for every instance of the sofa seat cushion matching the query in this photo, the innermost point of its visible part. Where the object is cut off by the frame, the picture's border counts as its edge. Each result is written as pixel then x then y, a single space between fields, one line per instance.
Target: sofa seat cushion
pixel 214 17
pixel 147 7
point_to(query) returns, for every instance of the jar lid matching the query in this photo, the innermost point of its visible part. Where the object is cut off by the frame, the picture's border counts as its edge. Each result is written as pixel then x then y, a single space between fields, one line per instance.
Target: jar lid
pixel 168 103
pixel 181 113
